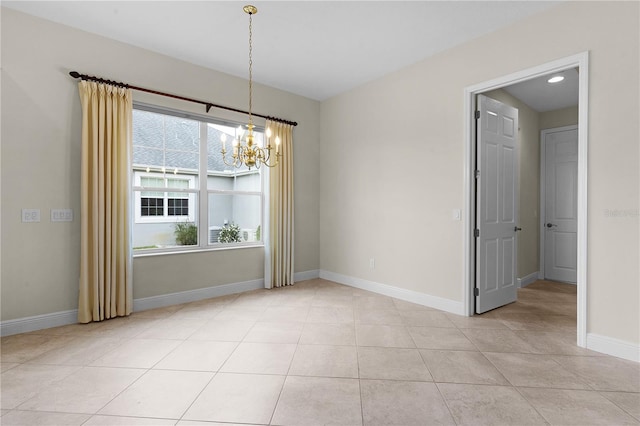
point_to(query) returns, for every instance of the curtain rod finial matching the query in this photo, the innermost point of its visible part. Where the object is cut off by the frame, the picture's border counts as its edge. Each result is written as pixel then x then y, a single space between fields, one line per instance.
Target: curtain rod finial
pixel 74 74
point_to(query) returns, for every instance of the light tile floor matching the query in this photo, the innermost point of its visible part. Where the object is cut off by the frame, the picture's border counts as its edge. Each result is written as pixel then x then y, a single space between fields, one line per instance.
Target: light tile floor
pixel 320 353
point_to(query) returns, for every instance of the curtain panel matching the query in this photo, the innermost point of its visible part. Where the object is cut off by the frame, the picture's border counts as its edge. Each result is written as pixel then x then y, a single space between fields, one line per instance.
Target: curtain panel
pixel 106 261
pixel 280 238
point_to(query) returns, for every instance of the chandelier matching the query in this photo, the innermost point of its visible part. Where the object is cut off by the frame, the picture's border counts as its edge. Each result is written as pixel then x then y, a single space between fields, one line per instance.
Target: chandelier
pixel 248 152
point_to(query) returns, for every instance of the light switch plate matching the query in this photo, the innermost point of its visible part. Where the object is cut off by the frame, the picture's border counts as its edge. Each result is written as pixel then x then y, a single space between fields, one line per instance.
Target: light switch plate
pixel 61 215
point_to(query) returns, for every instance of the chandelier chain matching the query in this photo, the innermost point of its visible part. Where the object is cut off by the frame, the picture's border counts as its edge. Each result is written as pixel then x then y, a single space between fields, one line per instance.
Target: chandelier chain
pixel 250 67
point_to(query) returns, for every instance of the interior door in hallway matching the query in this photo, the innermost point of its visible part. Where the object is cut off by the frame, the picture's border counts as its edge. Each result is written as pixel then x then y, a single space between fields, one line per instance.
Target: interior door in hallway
pixel 496 204
pixel 560 203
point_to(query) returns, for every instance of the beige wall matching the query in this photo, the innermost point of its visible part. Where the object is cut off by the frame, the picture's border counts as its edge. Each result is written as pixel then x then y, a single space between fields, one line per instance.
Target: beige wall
pixel 41 163
pixel 559 118
pixel 399 173
pixel 529 183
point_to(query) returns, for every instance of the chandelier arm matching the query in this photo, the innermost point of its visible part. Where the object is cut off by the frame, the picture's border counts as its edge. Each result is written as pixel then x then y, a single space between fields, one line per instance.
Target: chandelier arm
pixel 267 162
pixel 224 160
pixel 235 162
pixel 274 164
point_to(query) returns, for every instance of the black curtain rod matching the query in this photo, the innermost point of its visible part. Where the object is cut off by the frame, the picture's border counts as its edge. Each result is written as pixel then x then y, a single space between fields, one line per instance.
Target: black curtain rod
pixel 209 105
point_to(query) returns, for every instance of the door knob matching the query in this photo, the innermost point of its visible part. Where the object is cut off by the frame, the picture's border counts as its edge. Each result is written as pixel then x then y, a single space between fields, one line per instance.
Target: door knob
pixel 517 229
pixel 550 225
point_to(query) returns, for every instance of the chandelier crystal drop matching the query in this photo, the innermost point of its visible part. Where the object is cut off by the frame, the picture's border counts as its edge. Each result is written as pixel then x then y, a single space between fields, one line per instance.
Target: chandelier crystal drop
pixel 247 152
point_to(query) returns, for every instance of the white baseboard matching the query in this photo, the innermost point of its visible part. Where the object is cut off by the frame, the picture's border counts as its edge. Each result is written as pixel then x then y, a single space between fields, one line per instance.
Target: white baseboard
pixel 306 275
pixel 528 279
pixel 398 293
pixel 38 322
pixel 56 319
pixel 615 347
pixel 163 300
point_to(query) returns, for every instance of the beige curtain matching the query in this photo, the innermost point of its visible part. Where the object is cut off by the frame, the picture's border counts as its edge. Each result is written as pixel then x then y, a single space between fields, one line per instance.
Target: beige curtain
pixel 105 258
pixel 280 237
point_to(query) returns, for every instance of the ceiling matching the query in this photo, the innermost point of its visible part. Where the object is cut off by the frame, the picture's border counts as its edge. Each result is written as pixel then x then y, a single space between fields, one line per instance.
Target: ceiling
pixel 316 49
pixel 542 96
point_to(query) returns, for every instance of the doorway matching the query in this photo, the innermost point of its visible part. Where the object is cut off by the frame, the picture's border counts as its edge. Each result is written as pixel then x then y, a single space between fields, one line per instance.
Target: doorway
pixel 580 62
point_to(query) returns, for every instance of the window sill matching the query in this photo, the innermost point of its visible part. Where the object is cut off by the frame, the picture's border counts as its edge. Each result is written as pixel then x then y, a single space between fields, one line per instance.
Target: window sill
pixel 175 250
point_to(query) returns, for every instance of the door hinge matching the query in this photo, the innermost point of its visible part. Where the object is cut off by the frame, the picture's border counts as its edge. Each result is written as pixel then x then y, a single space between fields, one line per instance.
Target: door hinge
pixel 476 233
pixel 477 174
pixel 476 291
pixel 477 115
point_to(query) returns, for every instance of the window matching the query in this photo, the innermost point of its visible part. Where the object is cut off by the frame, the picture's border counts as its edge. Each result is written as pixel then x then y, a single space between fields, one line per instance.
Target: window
pixel 163 206
pixel 184 194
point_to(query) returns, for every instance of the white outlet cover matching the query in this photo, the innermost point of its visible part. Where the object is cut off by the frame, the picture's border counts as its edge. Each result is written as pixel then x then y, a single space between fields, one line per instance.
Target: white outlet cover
pixel 30 215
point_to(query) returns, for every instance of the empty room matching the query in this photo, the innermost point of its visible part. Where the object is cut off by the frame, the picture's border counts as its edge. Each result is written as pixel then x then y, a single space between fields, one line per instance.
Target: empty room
pixel 320 212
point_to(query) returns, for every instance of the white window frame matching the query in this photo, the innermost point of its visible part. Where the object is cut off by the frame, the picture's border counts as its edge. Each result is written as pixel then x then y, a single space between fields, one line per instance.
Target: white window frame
pixel 198 194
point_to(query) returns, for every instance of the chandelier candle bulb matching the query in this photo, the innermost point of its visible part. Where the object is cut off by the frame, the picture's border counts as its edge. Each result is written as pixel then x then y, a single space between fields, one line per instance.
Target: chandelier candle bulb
pixel 223 138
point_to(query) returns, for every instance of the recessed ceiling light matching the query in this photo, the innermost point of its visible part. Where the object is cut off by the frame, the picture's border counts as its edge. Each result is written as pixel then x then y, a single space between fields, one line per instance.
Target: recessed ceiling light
pixel 556 79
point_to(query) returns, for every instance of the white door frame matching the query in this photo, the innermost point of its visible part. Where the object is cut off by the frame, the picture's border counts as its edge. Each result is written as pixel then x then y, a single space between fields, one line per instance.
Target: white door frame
pixel 543 200
pixel 581 61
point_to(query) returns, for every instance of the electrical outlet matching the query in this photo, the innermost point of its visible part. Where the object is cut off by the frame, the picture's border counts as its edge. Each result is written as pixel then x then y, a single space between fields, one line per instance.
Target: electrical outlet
pixel 372 263
pixel 61 215
pixel 31 215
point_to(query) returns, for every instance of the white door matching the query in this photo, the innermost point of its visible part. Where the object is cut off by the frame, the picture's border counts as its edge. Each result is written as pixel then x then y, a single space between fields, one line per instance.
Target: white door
pixel 560 203
pixel 496 204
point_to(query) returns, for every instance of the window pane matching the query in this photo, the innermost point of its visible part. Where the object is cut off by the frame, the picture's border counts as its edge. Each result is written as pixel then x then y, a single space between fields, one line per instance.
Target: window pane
pixel 246 181
pixel 178 207
pixel 151 206
pixel 152 181
pixel 163 143
pixel 178 183
pixel 186 233
pixel 215 133
pixel 214 146
pixel 165 222
pixel 222 176
pixel 148 130
pixel 234 218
